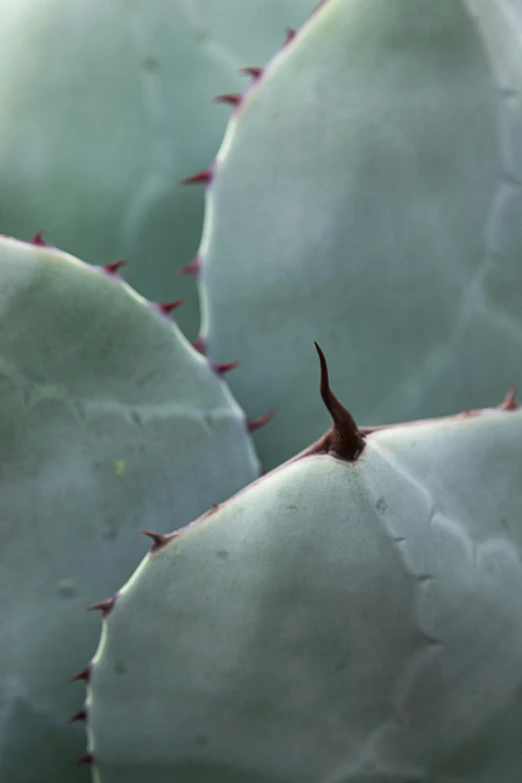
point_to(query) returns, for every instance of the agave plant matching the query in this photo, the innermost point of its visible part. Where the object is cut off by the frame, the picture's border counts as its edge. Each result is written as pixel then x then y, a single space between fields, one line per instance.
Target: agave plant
pixel 104 105
pixel 387 135
pixel 125 422
pixel 353 614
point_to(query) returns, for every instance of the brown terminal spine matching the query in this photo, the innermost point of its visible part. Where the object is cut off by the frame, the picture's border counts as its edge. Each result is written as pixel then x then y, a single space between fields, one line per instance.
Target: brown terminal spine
pixel 344 439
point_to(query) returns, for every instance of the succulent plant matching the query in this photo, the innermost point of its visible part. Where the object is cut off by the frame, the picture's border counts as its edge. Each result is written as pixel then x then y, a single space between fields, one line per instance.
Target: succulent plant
pixel 367 195
pixel 354 615
pixel 105 105
pixel 110 422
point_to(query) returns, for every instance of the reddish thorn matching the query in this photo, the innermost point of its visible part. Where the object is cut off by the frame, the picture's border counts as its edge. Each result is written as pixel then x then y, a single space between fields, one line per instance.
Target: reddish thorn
pixel 87 758
pixel 215 506
pixel 255 424
pixel 158 539
pixel 38 239
pixel 84 674
pixel 105 606
pixel 509 403
pixel 200 345
pixel 344 439
pixel 168 307
pixel 233 98
pixel 255 73
pixel 80 715
pixel 290 35
pixel 204 176
pixel 194 268
pixel 223 368
pixel 113 267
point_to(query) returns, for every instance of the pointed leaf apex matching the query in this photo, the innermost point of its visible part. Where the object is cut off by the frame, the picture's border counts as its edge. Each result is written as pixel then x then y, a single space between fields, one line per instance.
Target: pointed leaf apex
pixel 113 267
pixel 255 424
pixel 345 439
pixel 204 177
pixel 194 268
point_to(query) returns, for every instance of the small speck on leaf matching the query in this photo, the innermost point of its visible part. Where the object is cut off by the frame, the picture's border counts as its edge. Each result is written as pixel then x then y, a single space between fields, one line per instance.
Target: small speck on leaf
pixel 120 466
pixel 381 505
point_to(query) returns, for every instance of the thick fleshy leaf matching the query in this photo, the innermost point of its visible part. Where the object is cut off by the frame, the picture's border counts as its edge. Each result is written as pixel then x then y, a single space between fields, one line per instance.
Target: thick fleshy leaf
pixel 110 422
pixel 105 106
pixel 340 621
pixel 367 195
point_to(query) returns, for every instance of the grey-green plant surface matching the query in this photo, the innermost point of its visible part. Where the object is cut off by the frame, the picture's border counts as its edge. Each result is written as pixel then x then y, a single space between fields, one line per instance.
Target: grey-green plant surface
pixel 353 616
pixel 367 195
pixel 105 106
pixel 109 422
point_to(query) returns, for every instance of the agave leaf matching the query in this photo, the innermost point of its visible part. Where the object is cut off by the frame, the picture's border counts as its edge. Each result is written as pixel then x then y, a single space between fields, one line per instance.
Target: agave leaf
pixel 105 106
pixel 109 422
pixel 367 195
pixel 358 621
